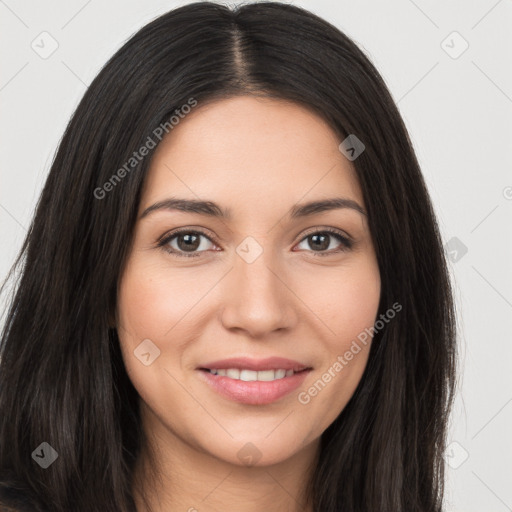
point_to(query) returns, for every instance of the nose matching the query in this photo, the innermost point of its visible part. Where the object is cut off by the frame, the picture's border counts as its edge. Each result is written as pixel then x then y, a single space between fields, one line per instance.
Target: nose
pixel 258 299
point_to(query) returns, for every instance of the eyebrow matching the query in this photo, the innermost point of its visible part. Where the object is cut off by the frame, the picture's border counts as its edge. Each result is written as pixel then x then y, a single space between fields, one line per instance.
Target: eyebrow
pixel 212 209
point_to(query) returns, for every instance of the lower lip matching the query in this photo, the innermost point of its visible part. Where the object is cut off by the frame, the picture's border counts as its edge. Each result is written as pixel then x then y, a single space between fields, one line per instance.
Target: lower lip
pixel 254 392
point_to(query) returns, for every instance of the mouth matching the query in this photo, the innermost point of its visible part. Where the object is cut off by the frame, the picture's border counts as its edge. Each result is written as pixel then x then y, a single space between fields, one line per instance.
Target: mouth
pixel 254 382
pixel 252 375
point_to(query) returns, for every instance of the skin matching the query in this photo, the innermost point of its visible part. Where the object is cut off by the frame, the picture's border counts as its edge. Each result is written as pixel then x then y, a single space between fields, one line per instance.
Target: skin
pixel 258 157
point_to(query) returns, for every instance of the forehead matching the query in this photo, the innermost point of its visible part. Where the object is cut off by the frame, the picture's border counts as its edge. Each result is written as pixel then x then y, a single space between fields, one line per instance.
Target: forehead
pixel 246 151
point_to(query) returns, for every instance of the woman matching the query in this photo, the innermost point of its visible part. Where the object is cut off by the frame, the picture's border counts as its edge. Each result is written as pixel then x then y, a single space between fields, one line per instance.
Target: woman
pixel 233 294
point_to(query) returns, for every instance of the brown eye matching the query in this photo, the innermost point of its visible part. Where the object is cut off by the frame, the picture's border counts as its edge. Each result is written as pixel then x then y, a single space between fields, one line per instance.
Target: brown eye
pixel 186 241
pixel 324 242
pixel 320 241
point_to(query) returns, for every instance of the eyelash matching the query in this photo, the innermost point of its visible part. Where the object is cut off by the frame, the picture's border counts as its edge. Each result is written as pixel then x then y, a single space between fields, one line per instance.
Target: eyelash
pixel 346 243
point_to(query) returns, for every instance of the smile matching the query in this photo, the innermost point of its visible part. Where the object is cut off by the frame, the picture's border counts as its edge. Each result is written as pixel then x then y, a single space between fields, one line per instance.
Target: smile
pixel 251 375
pixel 254 382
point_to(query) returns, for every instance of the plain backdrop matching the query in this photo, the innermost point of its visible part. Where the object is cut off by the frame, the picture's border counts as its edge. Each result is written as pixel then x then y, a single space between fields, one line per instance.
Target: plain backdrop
pixel 448 66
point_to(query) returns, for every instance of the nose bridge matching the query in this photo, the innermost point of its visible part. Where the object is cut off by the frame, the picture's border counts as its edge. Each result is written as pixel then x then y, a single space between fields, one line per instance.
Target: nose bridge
pixel 253 264
pixel 257 299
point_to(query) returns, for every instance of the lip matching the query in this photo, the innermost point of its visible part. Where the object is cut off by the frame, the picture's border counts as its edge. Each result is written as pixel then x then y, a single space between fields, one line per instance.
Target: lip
pixel 254 392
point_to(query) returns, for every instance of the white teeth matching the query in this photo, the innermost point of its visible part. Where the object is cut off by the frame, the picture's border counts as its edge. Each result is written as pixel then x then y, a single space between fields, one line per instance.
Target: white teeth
pixel 268 375
pixel 233 373
pixel 251 375
pixel 248 375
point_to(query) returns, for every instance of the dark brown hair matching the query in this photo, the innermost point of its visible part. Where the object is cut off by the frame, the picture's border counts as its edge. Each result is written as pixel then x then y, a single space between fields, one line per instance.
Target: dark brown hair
pixel 62 379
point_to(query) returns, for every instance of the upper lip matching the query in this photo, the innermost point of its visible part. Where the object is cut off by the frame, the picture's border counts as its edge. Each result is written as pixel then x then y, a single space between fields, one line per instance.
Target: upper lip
pixel 246 363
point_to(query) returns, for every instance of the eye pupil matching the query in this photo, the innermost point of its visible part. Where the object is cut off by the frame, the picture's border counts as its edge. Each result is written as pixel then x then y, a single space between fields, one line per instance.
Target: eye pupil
pixel 323 244
pixel 192 242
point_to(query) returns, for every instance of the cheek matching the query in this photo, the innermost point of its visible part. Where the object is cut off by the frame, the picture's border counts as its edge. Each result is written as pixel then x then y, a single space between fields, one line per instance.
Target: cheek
pixel 345 300
pixel 153 300
pixel 158 304
pixel 347 304
pixel 357 302
pixel 150 303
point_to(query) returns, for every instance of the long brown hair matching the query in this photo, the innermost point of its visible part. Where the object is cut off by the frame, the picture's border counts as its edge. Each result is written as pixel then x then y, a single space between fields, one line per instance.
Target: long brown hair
pixel 62 380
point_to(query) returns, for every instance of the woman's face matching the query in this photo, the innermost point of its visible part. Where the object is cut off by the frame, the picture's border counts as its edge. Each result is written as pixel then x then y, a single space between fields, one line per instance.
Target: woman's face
pixel 235 293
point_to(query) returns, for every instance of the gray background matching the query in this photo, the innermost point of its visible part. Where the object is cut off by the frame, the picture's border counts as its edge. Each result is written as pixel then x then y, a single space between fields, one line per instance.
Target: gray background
pixel 457 106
